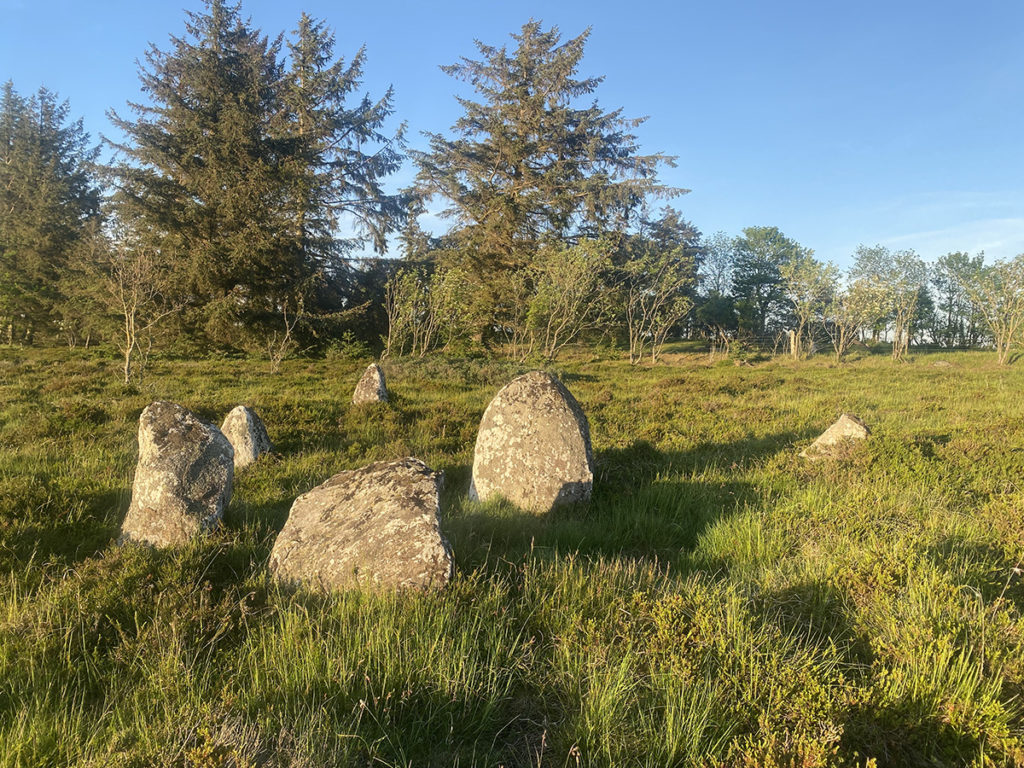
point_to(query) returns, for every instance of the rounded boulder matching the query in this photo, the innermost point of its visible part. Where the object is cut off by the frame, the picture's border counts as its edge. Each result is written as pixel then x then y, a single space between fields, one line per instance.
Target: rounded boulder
pixel 533 446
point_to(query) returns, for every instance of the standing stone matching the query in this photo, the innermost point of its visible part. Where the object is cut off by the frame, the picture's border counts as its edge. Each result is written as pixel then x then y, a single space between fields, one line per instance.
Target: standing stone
pixel 533 446
pixel 836 438
pixel 378 526
pixel 245 431
pixel 371 387
pixel 183 478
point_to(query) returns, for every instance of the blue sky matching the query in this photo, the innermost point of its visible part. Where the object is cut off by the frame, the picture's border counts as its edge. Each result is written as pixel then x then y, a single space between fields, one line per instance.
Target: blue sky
pixel 899 123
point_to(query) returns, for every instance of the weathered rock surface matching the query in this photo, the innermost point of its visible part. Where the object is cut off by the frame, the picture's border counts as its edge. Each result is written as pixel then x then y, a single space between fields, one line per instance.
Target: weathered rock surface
pixel 371 387
pixel 247 434
pixel 378 526
pixel 533 446
pixel 837 438
pixel 182 480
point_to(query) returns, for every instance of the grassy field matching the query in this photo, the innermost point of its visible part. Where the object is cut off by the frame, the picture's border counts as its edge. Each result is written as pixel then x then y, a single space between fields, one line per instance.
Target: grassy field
pixel 719 602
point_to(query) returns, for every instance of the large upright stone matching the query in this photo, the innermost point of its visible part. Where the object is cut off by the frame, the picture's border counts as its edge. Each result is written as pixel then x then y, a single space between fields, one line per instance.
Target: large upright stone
pixel 837 438
pixel 245 431
pixel 533 446
pixel 375 527
pixel 182 480
pixel 371 387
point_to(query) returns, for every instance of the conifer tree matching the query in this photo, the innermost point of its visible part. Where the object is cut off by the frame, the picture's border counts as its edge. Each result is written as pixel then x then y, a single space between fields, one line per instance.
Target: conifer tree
pixel 247 170
pixel 48 197
pixel 338 154
pixel 528 165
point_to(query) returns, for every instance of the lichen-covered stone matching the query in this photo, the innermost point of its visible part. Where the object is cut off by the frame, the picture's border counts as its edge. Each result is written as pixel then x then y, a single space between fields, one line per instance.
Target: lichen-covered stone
pixel 533 446
pixel 182 480
pixel 371 387
pixel 837 438
pixel 245 431
pixel 375 527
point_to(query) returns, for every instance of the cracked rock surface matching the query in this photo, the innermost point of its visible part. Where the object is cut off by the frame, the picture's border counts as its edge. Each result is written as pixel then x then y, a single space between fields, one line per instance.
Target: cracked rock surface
pixel 375 527
pixel 182 480
pixel 247 434
pixel 533 446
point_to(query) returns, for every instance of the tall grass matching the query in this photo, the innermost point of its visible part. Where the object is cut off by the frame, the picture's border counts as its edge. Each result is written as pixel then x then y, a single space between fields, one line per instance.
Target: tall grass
pixel 719 602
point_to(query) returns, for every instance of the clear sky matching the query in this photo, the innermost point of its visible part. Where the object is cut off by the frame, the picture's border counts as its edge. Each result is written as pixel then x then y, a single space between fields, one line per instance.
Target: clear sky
pixel 898 122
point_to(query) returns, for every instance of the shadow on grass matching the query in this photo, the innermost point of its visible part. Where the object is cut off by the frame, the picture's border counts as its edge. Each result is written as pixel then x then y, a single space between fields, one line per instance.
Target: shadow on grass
pixel 906 733
pixel 645 505
pixel 68 536
pixel 983 566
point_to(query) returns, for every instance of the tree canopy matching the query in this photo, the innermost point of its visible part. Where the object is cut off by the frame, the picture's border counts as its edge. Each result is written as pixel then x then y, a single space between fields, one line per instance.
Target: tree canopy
pixel 48 197
pixel 527 166
pixel 238 167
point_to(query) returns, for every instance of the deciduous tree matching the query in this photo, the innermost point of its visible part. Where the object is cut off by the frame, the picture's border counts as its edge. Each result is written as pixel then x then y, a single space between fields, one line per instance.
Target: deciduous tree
pixel 850 309
pixel 997 291
pixel 808 284
pixel 757 284
pixel 898 275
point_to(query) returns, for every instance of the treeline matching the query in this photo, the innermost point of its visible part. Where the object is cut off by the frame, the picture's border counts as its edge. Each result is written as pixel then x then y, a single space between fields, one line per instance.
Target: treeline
pixel 763 287
pixel 237 213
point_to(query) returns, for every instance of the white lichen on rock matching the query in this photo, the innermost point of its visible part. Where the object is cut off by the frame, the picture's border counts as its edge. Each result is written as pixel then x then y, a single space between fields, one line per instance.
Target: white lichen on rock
pixel 182 480
pixel 533 446
pixel 247 434
pixel 375 527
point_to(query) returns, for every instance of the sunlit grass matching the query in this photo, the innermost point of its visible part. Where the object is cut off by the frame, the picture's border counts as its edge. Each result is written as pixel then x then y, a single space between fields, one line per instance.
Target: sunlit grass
pixel 719 602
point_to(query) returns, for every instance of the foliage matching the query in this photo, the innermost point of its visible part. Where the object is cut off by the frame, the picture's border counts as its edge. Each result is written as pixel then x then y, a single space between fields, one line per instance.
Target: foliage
pixel 760 253
pixel 571 296
pixel 239 171
pixel 958 324
pixel 809 285
pixel 49 201
pixel 657 285
pixel 717 264
pixel 898 276
pixel 426 310
pixel 849 310
pixel 997 294
pixel 528 168
pixel 338 154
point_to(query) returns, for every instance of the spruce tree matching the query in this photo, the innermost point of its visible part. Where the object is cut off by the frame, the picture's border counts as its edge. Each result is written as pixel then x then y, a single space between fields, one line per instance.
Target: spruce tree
pixel 242 167
pixel 528 165
pixel 337 154
pixel 203 174
pixel 48 197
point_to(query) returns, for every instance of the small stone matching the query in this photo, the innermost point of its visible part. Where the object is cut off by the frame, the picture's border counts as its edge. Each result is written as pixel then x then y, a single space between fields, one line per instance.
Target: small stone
pixel 182 480
pixel 375 527
pixel 247 434
pixel 942 364
pixel 533 446
pixel 836 438
pixel 371 387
